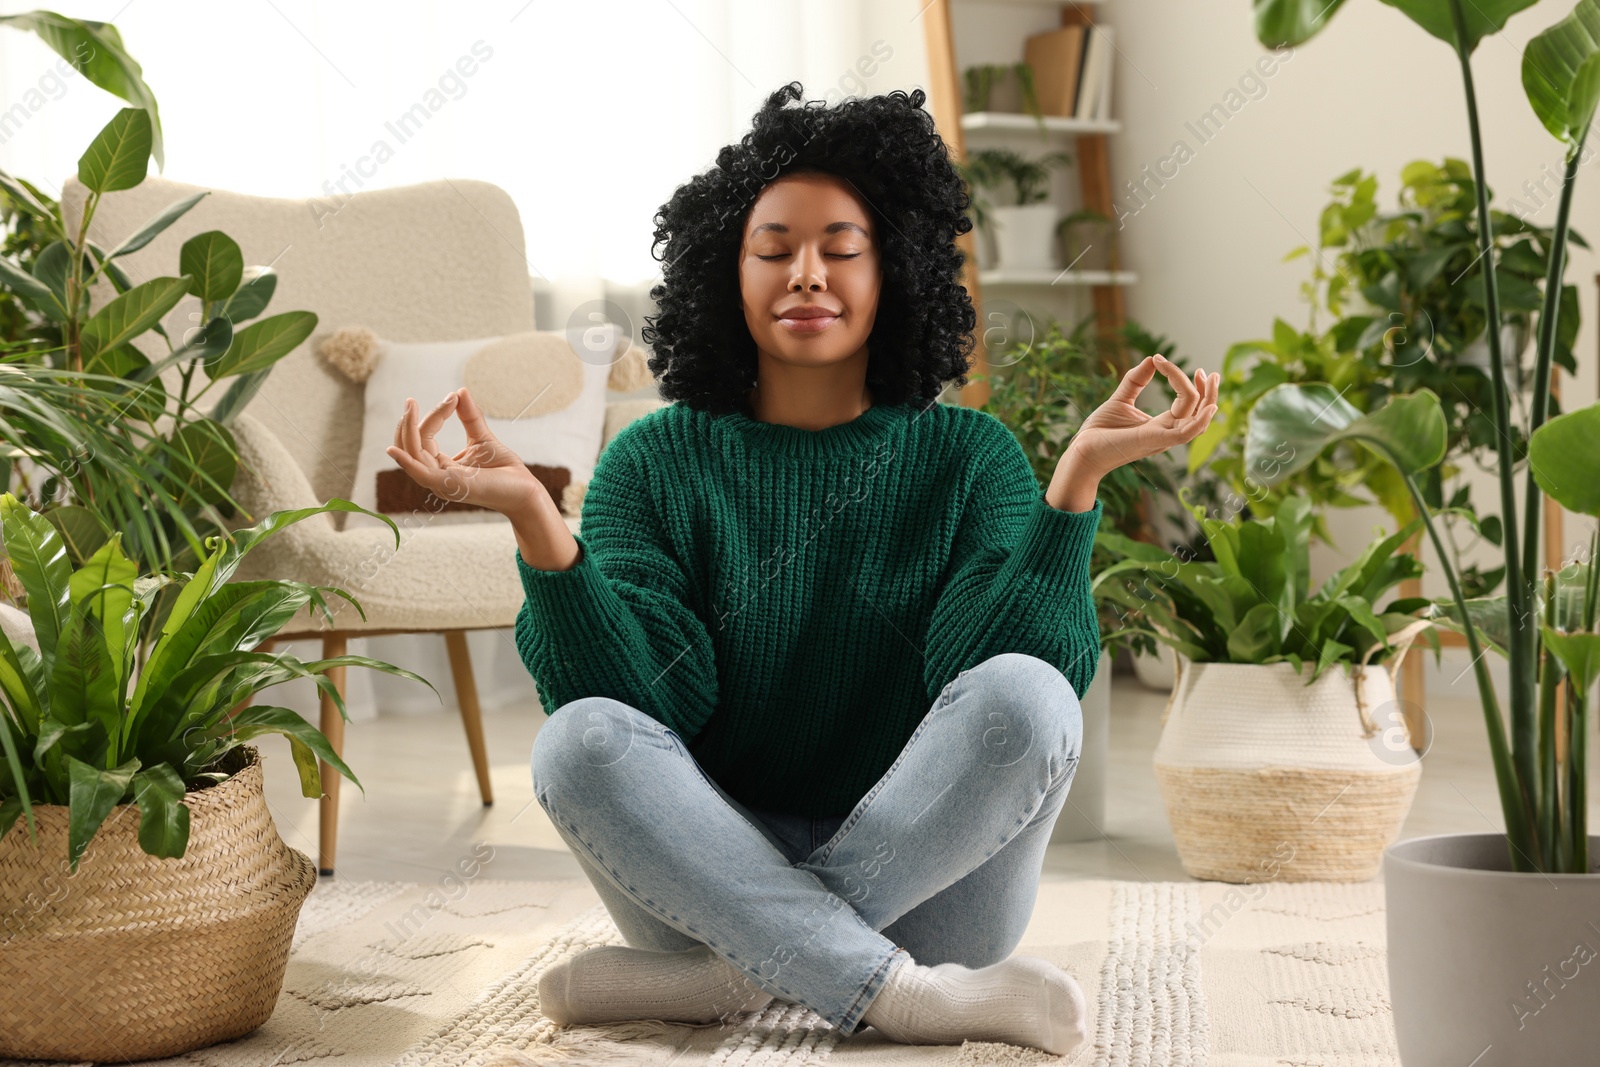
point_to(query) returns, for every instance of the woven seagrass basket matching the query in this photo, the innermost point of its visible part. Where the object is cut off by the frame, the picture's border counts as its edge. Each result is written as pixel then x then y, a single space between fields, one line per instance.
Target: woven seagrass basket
pixel 135 957
pixel 1267 779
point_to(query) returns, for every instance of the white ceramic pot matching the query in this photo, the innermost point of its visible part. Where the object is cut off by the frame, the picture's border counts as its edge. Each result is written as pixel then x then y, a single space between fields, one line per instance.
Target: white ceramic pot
pixel 1083 816
pixel 1488 966
pixel 1025 236
pixel 1155 671
pixel 1265 777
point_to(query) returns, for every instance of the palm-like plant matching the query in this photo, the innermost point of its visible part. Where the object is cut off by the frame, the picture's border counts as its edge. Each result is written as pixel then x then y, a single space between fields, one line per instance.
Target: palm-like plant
pixel 1544 807
pixel 71 730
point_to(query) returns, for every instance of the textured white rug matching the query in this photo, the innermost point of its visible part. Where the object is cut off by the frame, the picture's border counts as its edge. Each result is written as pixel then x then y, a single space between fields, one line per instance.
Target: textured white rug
pixel 1181 974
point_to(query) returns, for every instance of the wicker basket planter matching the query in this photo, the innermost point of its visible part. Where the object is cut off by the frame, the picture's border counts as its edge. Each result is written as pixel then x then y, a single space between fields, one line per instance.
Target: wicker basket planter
pixel 135 957
pixel 1265 778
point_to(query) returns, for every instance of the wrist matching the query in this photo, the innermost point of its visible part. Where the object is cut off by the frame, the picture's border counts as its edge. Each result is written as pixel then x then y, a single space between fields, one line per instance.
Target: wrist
pixel 1076 483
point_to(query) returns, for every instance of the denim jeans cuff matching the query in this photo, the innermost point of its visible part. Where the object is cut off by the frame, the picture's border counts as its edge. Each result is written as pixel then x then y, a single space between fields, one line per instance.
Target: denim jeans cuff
pixel 851 1020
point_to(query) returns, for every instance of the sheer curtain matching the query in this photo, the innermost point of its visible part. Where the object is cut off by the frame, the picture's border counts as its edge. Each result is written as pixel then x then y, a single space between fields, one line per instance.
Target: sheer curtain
pixel 589 115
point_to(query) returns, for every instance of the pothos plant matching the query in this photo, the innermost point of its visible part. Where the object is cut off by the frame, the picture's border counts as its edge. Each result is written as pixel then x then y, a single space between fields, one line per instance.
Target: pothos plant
pixel 1544 803
pixel 85 725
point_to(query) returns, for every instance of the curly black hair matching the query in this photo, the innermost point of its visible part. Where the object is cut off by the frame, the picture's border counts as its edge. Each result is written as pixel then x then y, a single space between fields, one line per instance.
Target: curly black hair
pixel 887 148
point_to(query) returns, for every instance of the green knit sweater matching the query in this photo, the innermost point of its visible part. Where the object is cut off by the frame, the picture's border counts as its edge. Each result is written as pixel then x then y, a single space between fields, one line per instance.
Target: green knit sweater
pixel 791 602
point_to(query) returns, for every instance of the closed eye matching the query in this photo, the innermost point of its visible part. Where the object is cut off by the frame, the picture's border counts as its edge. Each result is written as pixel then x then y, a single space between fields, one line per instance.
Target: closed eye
pixel 835 255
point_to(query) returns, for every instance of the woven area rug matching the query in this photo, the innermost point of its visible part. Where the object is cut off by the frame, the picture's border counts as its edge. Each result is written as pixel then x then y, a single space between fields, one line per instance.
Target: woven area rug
pixel 1180 974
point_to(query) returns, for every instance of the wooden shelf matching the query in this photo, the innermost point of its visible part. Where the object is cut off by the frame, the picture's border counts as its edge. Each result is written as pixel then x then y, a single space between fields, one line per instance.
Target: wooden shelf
pixel 1013 122
pixel 1056 277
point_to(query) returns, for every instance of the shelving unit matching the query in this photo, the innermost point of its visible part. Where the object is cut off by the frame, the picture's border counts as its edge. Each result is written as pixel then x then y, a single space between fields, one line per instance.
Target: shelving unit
pixel 1092 164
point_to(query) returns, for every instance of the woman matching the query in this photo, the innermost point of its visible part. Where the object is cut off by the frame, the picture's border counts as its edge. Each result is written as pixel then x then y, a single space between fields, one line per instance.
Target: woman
pixel 812 666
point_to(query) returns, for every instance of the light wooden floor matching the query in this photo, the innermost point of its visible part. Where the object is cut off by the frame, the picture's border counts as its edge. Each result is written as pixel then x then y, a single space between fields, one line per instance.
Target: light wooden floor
pixel 421 813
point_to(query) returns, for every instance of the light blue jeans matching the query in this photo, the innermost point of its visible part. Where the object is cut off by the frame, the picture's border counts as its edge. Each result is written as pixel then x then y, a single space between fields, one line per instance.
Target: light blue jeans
pixel 939 860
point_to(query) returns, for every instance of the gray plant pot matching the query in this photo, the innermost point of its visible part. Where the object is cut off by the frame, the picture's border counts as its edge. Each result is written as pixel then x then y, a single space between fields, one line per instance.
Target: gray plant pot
pixel 1488 966
pixel 1083 816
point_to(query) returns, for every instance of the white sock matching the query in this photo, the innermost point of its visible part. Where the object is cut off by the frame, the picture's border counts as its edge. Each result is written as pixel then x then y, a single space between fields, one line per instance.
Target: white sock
pixel 614 983
pixel 1021 1001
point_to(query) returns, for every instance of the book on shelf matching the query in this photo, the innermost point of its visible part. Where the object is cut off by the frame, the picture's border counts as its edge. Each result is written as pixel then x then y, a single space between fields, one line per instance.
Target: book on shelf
pixel 1094 97
pixel 1071 71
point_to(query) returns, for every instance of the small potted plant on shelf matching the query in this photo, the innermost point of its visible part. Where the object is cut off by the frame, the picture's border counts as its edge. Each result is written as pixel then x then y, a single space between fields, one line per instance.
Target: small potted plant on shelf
pixel 139 865
pixel 1024 223
pixel 1276 712
pixel 1486 931
pixel 1006 88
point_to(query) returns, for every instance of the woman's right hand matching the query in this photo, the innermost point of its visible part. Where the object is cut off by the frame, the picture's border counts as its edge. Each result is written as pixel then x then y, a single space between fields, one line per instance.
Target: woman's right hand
pixel 486 472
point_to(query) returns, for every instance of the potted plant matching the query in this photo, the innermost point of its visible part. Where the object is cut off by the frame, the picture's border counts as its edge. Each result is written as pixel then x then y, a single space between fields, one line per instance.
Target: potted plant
pixel 1484 929
pixel 1024 225
pixel 193 900
pixel 1002 87
pixel 1275 714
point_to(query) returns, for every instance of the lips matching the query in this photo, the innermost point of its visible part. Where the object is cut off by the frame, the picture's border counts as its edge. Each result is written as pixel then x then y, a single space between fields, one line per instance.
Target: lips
pixel 808 318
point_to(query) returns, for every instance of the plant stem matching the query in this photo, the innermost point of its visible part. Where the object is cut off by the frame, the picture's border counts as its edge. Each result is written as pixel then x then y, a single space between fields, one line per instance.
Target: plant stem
pixel 1549 684
pixel 1514 803
pixel 1520 648
pixel 1548 318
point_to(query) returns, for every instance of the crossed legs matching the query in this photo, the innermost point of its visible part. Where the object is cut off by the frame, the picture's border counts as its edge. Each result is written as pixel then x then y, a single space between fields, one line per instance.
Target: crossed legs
pixel 939 861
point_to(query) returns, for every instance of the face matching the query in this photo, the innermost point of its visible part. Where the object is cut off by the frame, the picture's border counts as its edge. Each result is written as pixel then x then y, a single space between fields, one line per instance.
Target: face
pixel 809 243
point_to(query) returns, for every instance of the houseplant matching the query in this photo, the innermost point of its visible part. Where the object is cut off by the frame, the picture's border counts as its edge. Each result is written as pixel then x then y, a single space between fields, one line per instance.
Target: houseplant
pixel 1024 224
pixel 1275 714
pixel 1003 87
pixel 1478 923
pixel 180 490
pixel 170 930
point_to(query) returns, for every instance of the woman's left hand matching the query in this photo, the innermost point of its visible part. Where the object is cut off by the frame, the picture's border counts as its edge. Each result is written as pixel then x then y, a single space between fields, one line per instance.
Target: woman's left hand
pixel 1119 432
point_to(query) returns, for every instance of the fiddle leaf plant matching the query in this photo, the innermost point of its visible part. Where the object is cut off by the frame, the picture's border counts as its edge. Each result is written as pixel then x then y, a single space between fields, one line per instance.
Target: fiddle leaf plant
pixel 83 725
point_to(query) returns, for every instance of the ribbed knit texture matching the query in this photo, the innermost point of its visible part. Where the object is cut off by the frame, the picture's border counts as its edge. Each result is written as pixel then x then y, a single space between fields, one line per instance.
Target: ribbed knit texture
pixel 791 602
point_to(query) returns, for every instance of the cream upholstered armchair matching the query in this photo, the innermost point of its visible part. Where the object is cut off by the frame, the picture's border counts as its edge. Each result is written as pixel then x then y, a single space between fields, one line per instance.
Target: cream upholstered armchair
pixel 434 261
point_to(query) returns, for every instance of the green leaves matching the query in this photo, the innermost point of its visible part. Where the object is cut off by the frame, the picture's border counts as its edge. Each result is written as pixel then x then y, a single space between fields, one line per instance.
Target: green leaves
pixel 1564 455
pixel 131 314
pixel 1561 72
pixel 163 816
pixel 96 51
pixel 39 560
pixel 94 792
pixel 215 263
pixel 1292 22
pixel 1293 424
pixel 1481 17
pixel 119 158
pixel 261 344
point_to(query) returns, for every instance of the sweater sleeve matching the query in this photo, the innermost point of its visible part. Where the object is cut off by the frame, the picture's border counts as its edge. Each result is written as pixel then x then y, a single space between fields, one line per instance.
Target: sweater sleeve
pixel 618 622
pixel 1018 577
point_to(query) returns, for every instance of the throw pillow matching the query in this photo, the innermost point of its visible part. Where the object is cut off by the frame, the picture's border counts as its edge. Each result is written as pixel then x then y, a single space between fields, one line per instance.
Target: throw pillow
pixel 543 394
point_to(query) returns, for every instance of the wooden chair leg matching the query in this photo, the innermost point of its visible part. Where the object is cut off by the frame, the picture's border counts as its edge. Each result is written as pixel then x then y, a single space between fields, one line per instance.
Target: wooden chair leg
pixel 471 715
pixel 333 727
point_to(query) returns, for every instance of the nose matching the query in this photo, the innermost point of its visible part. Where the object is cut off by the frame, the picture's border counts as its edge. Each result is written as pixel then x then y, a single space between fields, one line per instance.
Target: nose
pixel 809 272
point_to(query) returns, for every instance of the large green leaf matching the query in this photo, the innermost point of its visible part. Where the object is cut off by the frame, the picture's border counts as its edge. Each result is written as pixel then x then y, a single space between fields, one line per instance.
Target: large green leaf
pixel 1281 23
pixel 1481 17
pixel 215 263
pixel 261 344
pixel 39 560
pixel 1409 431
pixel 1561 72
pixel 258 719
pixel 119 157
pixel 208 342
pixel 1579 654
pixel 83 682
pixel 24 284
pixel 253 295
pixel 1564 455
pixel 104 586
pixel 92 793
pixel 209 451
pixel 150 230
pixel 131 314
pixel 163 816
pixel 96 50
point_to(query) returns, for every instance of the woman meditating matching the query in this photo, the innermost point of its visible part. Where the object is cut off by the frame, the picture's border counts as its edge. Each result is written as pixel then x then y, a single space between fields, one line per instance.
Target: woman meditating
pixel 812 667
